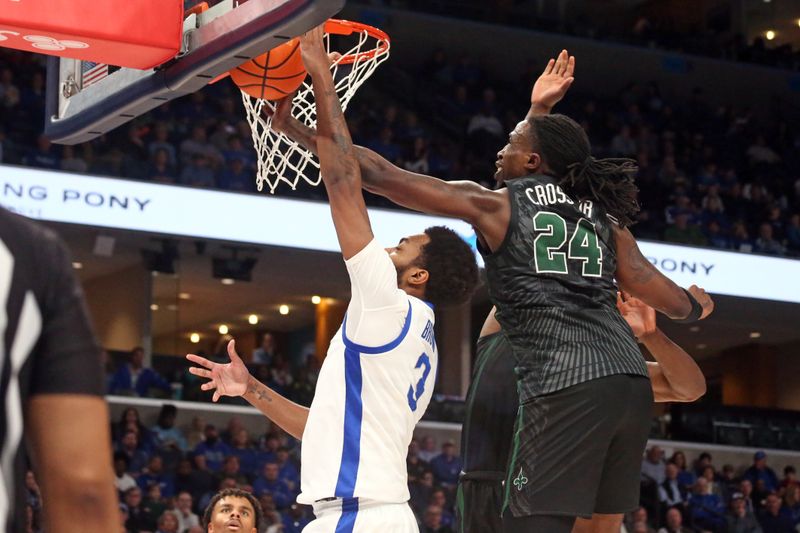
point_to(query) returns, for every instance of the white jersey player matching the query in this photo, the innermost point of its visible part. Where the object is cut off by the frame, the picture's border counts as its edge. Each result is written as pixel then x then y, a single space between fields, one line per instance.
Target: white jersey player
pixel 377 378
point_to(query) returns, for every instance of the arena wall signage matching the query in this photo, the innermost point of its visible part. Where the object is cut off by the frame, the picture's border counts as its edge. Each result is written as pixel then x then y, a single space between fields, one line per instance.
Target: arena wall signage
pixel 276 221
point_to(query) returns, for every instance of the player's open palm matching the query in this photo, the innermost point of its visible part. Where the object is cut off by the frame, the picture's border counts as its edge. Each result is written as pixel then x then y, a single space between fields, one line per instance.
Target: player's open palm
pixel 555 80
pixel 225 379
pixel 639 316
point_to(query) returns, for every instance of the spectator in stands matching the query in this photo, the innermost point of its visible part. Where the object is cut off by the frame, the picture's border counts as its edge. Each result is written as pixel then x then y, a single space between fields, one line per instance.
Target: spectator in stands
pixel 264 354
pixel 385 145
pixel 703 460
pixel 446 466
pixel 198 173
pixel 196 432
pixel 135 378
pixel 686 477
pixel 231 428
pixel 168 523
pixel 789 478
pixel 183 512
pixel 741 240
pixel 244 450
pixel 295 519
pixel 159 168
pixel 674 523
pixel 213 449
pixel 638 520
pixel 165 433
pixel 414 465
pixel 123 481
pixel 281 375
pixel 766 243
pixel 136 458
pixel 683 232
pixel 421 492
pixel 653 467
pixel 287 471
pixel 713 486
pixel 623 144
pixel 791 503
pixel 270 482
pixel 792 233
pixel 235 176
pixel 432 522
pixel 707 510
pixel 139 516
pixel 198 144
pixel 739 519
pixel 760 470
pixel 439 499
pixel 232 469
pixel 154 475
pixel 161 143
pixel 43 156
pixel 775 519
pixel 671 493
pixel 72 163
pixel 428 449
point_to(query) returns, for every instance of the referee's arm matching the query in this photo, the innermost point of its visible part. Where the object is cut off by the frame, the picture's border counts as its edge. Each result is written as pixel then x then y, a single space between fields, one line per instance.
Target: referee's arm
pixel 66 416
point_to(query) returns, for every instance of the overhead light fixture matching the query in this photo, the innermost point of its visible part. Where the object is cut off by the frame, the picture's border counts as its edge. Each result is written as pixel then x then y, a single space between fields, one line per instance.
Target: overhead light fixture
pixel 798 22
pixel 253 319
pixel 227 281
pixel 184 296
pixel 694 329
pixel 701 346
pixel 316 300
pixel 194 338
pixel 172 307
pixel 283 309
pixel 755 335
pixel 223 329
pixel 154 307
pixel 77 265
pixel 234 267
pixel 770 35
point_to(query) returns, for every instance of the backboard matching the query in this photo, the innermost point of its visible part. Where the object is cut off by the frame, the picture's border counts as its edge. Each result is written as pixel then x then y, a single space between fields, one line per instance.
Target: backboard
pixel 86 100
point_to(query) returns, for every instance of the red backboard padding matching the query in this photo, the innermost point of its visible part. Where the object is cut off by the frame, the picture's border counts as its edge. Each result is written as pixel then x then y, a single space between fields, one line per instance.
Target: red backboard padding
pixel 137 34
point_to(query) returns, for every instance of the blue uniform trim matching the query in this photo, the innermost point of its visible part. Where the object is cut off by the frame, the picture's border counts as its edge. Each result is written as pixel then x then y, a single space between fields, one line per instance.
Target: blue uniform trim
pixel 353 412
pixel 369 350
pixel 349 513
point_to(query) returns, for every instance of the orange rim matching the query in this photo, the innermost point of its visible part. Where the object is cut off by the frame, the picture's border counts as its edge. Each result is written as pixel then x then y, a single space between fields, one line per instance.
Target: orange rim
pixel 348 27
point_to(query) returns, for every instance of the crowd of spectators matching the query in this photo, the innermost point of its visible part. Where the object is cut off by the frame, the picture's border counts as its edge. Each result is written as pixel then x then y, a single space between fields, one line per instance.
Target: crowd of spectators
pixel 680 497
pixel 710 175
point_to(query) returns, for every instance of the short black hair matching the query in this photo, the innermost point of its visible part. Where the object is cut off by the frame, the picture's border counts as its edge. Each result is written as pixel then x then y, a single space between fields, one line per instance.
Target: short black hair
pixel 452 269
pixel 235 493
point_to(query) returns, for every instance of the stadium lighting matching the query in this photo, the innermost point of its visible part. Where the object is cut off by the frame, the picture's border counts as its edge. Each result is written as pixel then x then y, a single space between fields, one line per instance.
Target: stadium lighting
pixel 154 307
pixel 283 309
pixel 694 329
pixel 701 346
pixel 185 296
pixel 194 338
pixel 755 335
pixel 253 319
pixel 316 300
pixel 227 281
pixel 223 329
pixel 770 35
pixel 77 265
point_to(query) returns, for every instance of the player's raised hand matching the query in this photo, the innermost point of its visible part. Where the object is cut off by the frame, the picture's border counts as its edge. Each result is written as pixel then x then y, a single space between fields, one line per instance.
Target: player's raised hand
pixel 639 316
pixel 554 82
pixel 703 299
pixel 312 50
pixel 225 379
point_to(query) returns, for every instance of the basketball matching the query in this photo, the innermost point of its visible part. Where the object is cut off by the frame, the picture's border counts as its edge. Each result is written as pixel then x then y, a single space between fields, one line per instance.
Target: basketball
pixel 273 75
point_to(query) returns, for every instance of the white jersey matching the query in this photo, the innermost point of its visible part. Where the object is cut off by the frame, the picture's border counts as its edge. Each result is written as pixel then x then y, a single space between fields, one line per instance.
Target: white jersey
pixel 373 388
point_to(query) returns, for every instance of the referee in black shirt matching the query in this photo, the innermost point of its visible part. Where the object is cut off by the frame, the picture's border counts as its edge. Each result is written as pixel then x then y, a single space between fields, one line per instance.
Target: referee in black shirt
pixel 51 387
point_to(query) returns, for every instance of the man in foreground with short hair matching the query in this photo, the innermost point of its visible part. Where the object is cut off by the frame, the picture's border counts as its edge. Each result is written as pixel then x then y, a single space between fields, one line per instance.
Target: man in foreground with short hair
pixel 233 511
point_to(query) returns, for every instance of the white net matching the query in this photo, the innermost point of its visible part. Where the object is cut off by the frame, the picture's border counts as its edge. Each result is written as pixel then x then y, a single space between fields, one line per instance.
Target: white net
pixel 280 159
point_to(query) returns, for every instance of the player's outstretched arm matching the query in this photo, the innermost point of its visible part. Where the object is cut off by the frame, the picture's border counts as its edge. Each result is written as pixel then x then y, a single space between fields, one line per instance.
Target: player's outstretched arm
pixel 675 376
pixel 339 167
pixel 71 452
pixel 641 279
pixel 233 379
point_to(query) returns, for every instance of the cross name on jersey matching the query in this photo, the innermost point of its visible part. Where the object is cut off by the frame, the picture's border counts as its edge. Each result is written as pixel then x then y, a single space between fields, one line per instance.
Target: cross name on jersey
pixel 553 194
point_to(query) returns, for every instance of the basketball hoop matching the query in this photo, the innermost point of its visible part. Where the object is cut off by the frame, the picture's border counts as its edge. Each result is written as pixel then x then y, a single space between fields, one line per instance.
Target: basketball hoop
pixel 279 157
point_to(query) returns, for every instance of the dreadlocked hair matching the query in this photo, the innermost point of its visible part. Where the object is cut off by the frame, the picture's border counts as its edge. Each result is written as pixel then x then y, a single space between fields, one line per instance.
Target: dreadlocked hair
pixel 565 147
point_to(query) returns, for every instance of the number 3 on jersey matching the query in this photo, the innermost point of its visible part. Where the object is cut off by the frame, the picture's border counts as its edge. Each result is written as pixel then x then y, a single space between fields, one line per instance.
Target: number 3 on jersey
pixel 414 393
pixel 552 235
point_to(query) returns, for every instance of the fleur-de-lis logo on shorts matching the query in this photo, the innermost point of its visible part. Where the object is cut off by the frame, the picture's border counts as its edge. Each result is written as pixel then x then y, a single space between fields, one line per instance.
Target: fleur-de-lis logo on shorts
pixel 520 481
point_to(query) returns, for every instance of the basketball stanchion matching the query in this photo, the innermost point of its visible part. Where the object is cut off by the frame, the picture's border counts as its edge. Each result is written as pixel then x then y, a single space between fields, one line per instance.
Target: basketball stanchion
pixel 281 159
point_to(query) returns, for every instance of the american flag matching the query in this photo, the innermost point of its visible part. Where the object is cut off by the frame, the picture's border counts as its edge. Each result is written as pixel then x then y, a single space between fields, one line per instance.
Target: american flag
pixel 93 72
